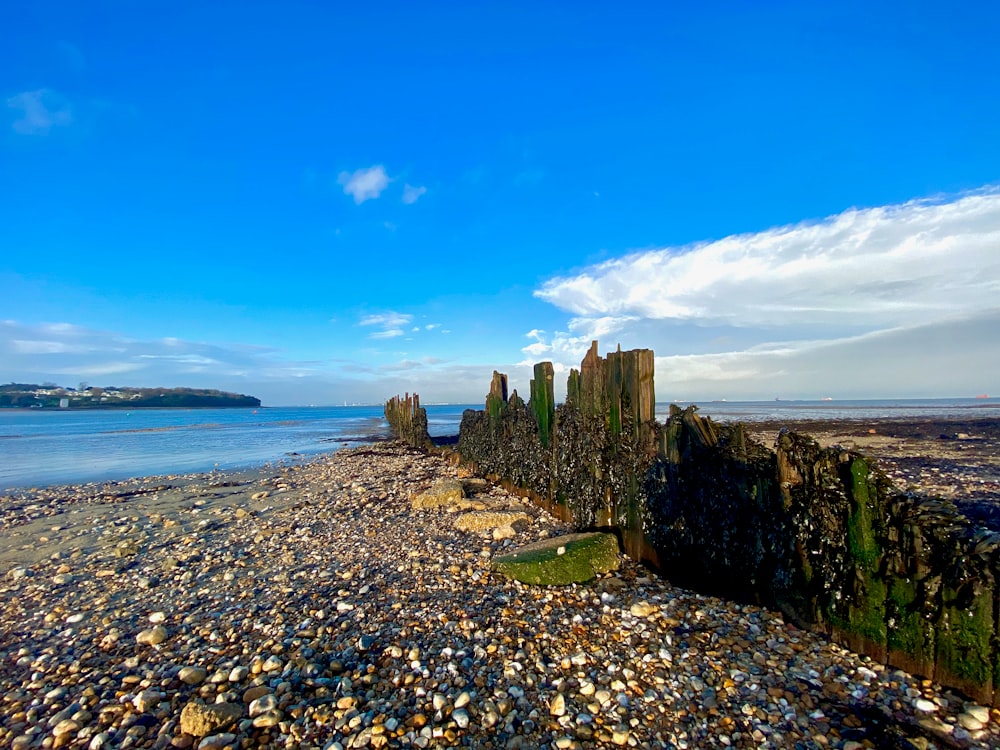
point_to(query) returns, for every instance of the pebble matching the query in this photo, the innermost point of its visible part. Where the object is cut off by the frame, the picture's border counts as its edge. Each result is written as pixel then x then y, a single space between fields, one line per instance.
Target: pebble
pixel 643 609
pixel 152 637
pixel 192 675
pixel 350 619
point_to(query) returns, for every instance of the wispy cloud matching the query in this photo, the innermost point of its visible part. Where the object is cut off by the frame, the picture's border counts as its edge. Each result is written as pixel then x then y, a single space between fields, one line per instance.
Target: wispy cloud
pixel 538 346
pixel 65 353
pixel 47 351
pixel 40 111
pixel 412 193
pixel 364 184
pixel 803 307
pixel 885 266
pixel 391 323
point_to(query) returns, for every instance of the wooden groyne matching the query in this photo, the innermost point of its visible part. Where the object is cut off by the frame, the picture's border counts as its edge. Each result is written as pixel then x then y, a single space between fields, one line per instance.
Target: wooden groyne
pixel 408 420
pixel 817 533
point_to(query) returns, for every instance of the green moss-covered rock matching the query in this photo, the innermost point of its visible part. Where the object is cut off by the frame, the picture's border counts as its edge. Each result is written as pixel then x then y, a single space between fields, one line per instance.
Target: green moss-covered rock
pixel 574 558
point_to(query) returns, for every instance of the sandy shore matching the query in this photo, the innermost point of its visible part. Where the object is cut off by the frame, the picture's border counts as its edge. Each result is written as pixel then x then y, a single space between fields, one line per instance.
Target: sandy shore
pixel 312 607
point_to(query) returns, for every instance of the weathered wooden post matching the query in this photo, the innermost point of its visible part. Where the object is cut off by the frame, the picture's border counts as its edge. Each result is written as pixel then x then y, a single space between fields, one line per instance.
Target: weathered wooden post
pixel 408 420
pixel 543 401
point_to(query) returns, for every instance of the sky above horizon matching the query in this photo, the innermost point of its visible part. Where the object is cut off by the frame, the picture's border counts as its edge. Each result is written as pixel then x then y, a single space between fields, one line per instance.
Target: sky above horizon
pixel 317 203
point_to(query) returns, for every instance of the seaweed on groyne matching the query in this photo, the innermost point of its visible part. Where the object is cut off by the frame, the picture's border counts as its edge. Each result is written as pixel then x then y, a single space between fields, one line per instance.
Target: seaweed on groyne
pixel 820 534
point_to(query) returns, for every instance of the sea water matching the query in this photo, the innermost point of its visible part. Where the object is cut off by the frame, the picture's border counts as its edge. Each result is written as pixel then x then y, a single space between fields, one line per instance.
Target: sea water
pixel 47 446
pixel 41 447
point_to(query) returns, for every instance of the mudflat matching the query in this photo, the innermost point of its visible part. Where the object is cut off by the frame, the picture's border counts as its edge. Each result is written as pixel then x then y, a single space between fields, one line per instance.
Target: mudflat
pixel 957 459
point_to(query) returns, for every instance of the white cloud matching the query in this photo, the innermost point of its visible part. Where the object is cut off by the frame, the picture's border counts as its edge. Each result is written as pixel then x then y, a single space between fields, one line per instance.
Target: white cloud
pixel 49 351
pixel 21 346
pixel 41 110
pixel 412 193
pixel 388 333
pixel 891 265
pixel 898 300
pixel 387 319
pixel 391 324
pixel 538 347
pixel 364 184
pixel 897 362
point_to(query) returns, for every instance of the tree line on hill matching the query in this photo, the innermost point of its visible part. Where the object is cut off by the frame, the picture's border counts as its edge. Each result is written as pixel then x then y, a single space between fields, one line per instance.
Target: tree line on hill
pixel 50 395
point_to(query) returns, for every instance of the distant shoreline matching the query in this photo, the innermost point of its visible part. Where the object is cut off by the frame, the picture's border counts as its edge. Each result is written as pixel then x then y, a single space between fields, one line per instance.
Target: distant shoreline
pixel 129 407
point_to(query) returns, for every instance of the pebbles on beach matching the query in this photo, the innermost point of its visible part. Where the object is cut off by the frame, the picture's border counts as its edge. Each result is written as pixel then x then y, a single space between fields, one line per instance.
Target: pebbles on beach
pixel 315 606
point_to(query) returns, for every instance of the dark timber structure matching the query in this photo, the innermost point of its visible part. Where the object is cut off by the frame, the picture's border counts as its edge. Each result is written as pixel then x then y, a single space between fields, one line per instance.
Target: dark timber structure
pixel 819 534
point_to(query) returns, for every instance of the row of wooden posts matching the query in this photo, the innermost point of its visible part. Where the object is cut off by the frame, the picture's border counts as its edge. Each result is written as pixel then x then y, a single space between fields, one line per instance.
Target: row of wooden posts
pixel 819 534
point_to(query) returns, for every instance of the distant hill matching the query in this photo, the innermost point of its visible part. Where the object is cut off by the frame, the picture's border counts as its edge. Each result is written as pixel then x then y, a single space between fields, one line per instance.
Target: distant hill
pixel 51 396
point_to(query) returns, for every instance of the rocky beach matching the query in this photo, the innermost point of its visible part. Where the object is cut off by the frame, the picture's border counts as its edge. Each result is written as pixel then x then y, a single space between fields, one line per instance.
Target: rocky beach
pixel 328 604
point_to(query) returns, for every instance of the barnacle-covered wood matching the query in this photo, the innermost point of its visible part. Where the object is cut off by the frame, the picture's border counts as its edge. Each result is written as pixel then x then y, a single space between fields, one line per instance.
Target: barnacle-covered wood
pixel 819 533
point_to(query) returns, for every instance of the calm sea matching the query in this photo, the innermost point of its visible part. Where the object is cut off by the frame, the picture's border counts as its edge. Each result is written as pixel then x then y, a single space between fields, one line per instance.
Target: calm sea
pixel 41 447
pixel 51 447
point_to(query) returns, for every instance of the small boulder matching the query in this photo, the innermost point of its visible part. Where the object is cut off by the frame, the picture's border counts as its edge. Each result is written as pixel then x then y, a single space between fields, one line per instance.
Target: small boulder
pixel 561 560
pixel 443 493
pixel 487 520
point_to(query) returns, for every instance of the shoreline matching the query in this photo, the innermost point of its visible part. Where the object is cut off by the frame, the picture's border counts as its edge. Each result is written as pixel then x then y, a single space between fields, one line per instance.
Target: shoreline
pixel 327 612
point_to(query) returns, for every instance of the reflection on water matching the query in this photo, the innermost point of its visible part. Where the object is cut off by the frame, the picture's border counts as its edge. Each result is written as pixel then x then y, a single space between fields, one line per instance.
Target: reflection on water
pixel 47 447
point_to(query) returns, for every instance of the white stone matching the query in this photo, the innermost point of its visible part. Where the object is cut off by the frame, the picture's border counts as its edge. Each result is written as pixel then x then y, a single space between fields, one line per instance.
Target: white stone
pixel 557 706
pixel 980 713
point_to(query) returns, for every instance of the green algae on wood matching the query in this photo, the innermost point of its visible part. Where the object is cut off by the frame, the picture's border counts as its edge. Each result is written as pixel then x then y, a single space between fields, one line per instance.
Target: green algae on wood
pixel 560 561
pixel 965 635
pixel 408 420
pixel 909 635
pixel 818 533
pixel 865 618
pixel 543 402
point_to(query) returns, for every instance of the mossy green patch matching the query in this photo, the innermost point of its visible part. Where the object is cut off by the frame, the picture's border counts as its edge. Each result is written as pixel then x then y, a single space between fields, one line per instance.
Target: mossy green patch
pixel 574 558
pixel 865 615
pixel 964 639
pixel 908 631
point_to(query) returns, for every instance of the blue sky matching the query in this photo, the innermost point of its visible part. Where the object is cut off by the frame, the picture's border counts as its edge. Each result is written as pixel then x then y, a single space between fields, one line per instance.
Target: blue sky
pixel 319 202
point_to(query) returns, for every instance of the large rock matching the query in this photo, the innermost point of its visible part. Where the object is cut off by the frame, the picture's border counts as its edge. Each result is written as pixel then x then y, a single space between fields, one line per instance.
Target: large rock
pixel 200 719
pixel 445 492
pixel 487 520
pixel 574 558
